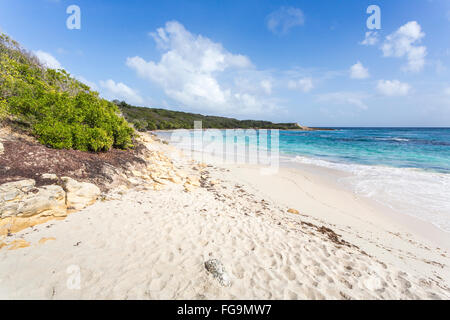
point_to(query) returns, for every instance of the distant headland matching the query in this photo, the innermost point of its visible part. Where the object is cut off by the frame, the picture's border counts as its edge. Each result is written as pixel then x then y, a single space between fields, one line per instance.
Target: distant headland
pixel 144 119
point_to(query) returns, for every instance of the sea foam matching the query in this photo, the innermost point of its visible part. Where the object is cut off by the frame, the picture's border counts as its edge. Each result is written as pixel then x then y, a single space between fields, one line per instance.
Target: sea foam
pixel 415 192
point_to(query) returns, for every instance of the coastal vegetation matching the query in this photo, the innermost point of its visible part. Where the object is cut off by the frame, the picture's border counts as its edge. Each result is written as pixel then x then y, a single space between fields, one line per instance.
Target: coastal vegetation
pixel 153 118
pixel 60 111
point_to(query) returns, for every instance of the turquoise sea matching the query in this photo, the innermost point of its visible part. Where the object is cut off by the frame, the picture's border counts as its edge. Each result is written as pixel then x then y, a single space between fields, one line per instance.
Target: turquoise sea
pixel 407 169
pixel 421 148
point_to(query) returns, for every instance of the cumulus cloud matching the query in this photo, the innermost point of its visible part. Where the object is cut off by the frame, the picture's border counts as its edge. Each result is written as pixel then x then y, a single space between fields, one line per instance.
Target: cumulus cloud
pixel 121 91
pixel 357 71
pixel 371 38
pixel 404 43
pixel 344 98
pixel 304 84
pixel 48 60
pixel 393 88
pixel 266 85
pixel 283 19
pixel 192 69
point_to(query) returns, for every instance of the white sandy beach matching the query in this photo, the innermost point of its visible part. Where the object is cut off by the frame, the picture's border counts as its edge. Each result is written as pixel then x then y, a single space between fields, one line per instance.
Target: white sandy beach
pixel 152 244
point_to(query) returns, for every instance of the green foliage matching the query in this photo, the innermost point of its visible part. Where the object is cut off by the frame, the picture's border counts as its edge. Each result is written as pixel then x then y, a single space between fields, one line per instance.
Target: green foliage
pixel 165 119
pixel 54 133
pixel 59 110
pixel 151 126
pixel 3 109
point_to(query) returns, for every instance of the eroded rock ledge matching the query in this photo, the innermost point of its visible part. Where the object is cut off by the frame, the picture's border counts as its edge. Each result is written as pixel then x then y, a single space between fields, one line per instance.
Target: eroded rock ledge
pixel 34 197
pixel 24 205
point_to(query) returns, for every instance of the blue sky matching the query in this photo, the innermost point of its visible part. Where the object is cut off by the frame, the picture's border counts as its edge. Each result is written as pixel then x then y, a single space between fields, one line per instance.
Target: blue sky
pixel 312 62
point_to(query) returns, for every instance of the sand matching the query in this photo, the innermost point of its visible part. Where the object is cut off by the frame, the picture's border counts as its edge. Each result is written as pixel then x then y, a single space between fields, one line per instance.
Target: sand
pixel 150 244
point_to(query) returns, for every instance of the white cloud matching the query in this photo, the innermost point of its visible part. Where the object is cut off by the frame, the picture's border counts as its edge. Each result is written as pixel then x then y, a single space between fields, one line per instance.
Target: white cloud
pixel 48 60
pixel 283 19
pixel 266 85
pixel 90 84
pixel 371 38
pixel 357 71
pixel 304 84
pixel 393 88
pixel 404 43
pixel 193 71
pixel 121 91
pixel 344 98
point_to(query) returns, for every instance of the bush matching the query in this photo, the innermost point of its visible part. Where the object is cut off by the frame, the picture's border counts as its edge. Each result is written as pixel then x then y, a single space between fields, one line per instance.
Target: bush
pixel 99 140
pixel 3 109
pixel 53 134
pixel 59 110
pixel 151 125
pixel 80 137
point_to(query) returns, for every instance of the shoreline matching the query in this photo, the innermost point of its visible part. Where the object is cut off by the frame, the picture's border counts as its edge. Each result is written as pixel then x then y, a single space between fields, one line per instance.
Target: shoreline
pixel 422 227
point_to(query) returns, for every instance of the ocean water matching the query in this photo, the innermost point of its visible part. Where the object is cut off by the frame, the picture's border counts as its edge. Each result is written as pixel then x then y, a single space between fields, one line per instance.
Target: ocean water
pixel 407 169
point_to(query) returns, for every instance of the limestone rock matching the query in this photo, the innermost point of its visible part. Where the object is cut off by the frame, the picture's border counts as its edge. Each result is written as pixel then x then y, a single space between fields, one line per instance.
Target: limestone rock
pixel 216 268
pixel 176 179
pixel 22 199
pixel 194 181
pixel 22 205
pixel 79 195
pixel 136 173
pixel 47 198
pixel 49 176
pixel 11 190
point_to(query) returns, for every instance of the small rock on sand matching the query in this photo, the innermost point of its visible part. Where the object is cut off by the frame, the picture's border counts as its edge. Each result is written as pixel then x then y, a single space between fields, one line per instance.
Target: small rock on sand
pixel 216 268
pixel 293 211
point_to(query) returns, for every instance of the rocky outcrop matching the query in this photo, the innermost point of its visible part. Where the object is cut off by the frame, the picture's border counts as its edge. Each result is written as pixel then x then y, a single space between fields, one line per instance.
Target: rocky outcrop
pixel 24 205
pixel 79 195
pixel 2 149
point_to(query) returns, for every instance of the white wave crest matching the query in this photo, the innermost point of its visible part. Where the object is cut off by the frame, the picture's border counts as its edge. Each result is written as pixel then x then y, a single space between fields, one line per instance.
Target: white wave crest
pixel 419 193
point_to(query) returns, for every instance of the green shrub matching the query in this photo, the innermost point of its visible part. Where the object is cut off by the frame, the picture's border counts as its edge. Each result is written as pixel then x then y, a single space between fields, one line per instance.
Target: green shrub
pixel 80 137
pixel 54 134
pixel 99 140
pixel 3 109
pixel 59 110
pixel 151 125
pixel 122 135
